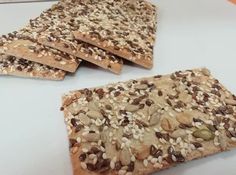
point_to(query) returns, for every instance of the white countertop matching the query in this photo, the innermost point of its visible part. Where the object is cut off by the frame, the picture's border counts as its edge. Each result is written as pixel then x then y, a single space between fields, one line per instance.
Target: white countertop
pixel 191 33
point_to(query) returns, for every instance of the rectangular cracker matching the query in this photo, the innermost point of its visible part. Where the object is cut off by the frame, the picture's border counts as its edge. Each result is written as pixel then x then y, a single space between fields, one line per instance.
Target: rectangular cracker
pixel 124 28
pixel 10 65
pixel 58 34
pixel 150 124
pixel 26 47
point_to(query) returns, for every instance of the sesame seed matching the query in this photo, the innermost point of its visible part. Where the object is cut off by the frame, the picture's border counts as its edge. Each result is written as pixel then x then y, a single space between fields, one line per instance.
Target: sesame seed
pixel 154 160
pixel 145 162
pixel 83 165
pixel 104 156
pixel 85 150
pixel 78 139
pixel 173 158
pixel 133 159
pixel 233 139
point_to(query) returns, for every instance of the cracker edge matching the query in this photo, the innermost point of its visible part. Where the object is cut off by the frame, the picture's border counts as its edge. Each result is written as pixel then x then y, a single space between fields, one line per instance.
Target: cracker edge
pixel 23 52
pixel 124 54
pixel 115 68
pixel 34 74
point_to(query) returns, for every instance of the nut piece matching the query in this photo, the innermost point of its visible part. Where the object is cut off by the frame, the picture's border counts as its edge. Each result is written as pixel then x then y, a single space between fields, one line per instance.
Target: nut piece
pixel 141 86
pixel 125 157
pixel 92 137
pixel 153 109
pixel 168 124
pixel 131 108
pixel 184 118
pixel 141 153
pixel 204 134
pixel 178 133
pixel 230 102
pixel 155 118
pixel 84 119
pixel 94 114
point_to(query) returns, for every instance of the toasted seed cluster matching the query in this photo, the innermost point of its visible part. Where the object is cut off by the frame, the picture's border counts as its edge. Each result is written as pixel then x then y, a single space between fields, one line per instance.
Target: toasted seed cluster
pixel 10 64
pixel 153 122
pixel 128 26
pixel 55 26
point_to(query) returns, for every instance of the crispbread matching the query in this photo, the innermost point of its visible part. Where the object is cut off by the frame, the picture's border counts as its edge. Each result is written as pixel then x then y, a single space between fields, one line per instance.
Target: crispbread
pixel 124 28
pixel 10 65
pixel 54 28
pixel 143 126
pixel 26 47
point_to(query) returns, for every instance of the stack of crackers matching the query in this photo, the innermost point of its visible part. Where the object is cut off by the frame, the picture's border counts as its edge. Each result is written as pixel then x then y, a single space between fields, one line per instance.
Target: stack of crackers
pixel 71 31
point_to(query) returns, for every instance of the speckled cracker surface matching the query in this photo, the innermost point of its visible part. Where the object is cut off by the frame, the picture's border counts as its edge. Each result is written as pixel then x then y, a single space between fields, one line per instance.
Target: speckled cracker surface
pixel 143 126
pixel 54 28
pixel 125 28
pixel 10 65
pixel 24 46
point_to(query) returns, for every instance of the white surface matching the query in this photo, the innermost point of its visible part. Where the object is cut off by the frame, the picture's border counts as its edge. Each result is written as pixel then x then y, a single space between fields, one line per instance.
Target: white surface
pixel 33 138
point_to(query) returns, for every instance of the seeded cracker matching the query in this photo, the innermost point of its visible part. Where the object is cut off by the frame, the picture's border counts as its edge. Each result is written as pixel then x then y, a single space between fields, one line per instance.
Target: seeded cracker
pixel 124 28
pixel 143 126
pixel 54 28
pixel 10 65
pixel 22 46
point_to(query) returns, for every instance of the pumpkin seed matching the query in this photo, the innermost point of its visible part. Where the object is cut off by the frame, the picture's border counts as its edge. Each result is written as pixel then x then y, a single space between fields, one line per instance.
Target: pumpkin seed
pixel 204 134
pixel 84 119
pixel 155 118
pixel 95 114
pixel 211 128
pixel 131 108
pixel 153 109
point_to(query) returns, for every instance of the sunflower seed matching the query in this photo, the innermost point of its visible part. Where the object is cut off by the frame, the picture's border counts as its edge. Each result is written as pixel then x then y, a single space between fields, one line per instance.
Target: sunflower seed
pixel 95 114
pixel 131 108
